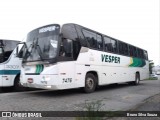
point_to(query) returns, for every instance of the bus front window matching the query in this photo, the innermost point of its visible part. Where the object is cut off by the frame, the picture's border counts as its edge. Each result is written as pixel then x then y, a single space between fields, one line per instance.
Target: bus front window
pixel 42 44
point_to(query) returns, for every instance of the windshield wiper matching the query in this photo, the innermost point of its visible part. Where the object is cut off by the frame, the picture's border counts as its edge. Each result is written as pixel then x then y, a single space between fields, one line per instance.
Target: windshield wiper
pixel 27 53
pixel 35 45
pixel 39 51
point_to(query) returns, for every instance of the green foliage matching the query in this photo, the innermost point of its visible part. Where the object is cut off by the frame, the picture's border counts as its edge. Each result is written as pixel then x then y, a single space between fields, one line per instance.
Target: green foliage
pixel 153 78
pixel 92 109
pixel 151 65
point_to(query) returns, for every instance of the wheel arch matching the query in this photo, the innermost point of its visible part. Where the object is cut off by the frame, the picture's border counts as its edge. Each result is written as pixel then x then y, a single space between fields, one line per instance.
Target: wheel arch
pixel 15 78
pixel 95 73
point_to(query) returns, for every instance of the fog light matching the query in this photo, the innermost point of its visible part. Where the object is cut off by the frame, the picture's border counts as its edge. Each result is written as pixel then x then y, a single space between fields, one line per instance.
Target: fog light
pixel 48 86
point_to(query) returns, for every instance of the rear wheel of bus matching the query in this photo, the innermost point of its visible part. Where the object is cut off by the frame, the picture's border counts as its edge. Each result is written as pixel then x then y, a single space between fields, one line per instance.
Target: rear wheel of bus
pixel 137 79
pixel 90 83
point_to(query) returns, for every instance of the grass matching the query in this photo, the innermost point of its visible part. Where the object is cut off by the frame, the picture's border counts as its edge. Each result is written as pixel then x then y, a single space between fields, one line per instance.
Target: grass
pixel 150 78
pixel 92 109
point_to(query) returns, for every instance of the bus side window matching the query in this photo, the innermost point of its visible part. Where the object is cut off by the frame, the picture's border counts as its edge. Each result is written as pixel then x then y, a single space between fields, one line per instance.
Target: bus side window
pixel 66 48
pixel 1 55
pixel 113 45
pixel 91 38
pixel 107 44
pixel 6 55
pixel 145 55
pixel 132 51
pixel 123 48
pixel 99 42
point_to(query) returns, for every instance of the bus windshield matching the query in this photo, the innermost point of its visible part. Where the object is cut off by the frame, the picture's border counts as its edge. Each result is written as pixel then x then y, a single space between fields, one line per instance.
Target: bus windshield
pixel 41 44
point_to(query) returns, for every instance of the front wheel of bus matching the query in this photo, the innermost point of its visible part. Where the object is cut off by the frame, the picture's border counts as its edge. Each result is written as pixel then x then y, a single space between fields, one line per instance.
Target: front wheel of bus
pixel 17 84
pixel 90 83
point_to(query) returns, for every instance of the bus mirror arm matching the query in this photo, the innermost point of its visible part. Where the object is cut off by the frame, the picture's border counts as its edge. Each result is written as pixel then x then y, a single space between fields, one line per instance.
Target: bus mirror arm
pixel 17 51
pixel 17 48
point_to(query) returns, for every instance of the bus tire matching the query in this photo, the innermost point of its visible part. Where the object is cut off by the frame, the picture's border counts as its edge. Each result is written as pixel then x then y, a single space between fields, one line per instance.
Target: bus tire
pixel 90 83
pixel 137 79
pixel 17 84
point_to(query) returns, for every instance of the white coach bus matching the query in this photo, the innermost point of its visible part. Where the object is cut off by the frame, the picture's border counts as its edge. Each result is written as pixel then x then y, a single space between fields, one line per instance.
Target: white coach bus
pixel 73 56
pixel 10 64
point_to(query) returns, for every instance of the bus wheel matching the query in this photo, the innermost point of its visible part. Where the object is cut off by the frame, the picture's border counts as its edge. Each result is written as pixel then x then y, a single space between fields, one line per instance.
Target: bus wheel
pixel 90 83
pixel 137 79
pixel 17 84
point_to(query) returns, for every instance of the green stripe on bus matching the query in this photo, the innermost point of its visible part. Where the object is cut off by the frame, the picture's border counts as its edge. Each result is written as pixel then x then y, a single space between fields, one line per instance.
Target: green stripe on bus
pixel 137 62
pixel 9 72
pixel 39 68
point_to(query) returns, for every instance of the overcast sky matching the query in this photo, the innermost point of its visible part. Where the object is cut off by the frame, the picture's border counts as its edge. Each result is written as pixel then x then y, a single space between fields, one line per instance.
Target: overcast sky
pixel 132 21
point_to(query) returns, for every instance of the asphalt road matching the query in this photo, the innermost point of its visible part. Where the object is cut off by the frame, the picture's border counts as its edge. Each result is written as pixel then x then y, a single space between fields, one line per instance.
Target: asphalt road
pixel 113 98
pixel 150 104
pixel 158 77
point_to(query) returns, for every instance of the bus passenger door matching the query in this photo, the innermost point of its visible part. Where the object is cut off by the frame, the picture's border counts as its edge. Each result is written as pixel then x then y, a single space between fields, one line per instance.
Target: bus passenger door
pixel 67 64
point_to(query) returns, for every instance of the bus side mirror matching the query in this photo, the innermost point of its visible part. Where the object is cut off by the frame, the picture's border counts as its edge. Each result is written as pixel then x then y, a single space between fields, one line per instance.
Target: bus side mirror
pixel 17 51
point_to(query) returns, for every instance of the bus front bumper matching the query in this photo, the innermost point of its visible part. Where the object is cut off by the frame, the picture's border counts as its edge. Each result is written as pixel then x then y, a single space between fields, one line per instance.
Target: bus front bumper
pixel 30 85
pixel 40 81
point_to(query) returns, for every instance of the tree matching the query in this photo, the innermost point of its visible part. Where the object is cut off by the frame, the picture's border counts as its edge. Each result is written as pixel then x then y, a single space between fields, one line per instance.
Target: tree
pixel 151 65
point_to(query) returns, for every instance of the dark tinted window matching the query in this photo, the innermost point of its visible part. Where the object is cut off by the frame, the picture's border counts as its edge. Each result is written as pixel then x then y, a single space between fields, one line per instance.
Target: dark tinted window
pixel 1 55
pixel 7 47
pixel 140 53
pixel 145 55
pixel 94 40
pixel 99 42
pixel 69 32
pixel 10 45
pixel 107 44
pixel 123 48
pixel 81 38
pixel 132 51
pixel 114 45
pixel 110 44
pixel 66 48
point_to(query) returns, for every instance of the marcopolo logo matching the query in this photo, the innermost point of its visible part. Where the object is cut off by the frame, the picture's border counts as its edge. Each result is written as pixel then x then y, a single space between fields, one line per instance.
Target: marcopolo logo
pixel 110 58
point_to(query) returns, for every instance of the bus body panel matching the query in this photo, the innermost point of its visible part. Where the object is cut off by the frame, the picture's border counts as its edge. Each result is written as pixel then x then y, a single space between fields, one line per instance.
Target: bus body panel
pixel 9 70
pixel 1 74
pixel 58 76
pixel 71 74
pixel 114 70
